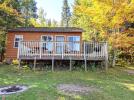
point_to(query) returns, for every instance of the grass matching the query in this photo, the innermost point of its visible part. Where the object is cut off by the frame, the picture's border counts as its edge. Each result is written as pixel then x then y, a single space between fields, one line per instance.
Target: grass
pixel 115 84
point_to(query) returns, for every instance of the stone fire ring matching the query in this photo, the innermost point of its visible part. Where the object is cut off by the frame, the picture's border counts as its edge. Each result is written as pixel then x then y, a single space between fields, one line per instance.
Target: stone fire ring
pixel 19 89
pixel 75 89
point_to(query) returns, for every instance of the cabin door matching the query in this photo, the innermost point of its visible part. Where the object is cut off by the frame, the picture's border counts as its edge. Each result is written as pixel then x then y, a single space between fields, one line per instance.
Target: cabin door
pixel 60 44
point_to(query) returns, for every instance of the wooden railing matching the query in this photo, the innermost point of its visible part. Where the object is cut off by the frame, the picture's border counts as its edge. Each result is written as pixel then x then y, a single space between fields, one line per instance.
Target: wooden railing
pixel 63 49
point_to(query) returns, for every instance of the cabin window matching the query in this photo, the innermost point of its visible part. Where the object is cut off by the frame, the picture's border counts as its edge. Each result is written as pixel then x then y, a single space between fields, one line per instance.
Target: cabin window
pixel 47 42
pixel 74 43
pixel 17 39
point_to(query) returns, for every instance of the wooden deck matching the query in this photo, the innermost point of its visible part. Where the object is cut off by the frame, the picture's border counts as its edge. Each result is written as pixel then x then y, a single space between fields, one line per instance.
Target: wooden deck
pixel 87 51
pixel 62 50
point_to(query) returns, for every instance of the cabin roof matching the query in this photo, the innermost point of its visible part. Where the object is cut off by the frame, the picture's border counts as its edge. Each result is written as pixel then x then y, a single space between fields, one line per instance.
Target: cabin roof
pixel 46 29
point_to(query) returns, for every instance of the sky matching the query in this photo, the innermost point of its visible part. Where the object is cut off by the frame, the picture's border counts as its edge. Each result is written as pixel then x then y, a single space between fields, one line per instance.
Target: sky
pixel 53 8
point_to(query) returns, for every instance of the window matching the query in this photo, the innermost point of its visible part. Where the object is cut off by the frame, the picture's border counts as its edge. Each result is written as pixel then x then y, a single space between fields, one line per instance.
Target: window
pixel 75 43
pixel 60 44
pixel 47 42
pixel 73 38
pixel 17 39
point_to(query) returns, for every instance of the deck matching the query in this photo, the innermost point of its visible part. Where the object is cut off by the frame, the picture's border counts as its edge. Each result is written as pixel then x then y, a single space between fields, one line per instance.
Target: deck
pixel 87 51
pixel 62 50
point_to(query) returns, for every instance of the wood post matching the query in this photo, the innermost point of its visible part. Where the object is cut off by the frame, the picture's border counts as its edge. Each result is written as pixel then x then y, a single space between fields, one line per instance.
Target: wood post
pixel 3 97
pixel 106 64
pixel 85 57
pixel 52 64
pixel 19 63
pixel 85 64
pixel 40 43
pixel 70 64
pixel 106 58
pixel 34 63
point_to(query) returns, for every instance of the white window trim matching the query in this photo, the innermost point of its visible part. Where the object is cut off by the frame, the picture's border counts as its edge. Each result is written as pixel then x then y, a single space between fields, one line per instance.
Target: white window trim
pixel 46 41
pixel 15 39
pixel 75 41
pixel 47 36
pixel 73 36
pixel 61 36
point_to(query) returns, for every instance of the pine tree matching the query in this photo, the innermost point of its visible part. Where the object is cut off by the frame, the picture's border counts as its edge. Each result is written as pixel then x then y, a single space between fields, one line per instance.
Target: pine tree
pixel 66 14
pixel 28 10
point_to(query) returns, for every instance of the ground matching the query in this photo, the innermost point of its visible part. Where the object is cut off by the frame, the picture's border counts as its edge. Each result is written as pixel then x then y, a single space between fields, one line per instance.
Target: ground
pixel 116 84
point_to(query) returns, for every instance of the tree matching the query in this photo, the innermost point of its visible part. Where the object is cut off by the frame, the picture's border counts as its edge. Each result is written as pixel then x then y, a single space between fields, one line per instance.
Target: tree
pixel 14 13
pixel 108 18
pixel 28 10
pixel 9 16
pixel 54 23
pixel 82 20
pixel 65 14
pixel 42 17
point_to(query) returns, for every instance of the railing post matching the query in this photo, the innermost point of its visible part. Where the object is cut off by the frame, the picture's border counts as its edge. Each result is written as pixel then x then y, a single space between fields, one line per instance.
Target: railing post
pixel 62 50
pixel 84 50
pixel 18 55
pixel 40 43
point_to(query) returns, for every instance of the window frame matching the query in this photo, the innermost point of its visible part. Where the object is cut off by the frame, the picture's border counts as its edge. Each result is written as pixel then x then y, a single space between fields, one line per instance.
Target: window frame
pixel 73 36
pixel 47 36
pixel 75 42
pixel 17 41
pixel 46 41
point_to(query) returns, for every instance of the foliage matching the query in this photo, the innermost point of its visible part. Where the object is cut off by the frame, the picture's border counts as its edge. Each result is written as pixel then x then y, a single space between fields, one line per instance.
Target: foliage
pixel 82 20
pixel 15 13
pixel 121 63
pixel 65 14
pixel 106 20
pixel 15 62
pixel 28 10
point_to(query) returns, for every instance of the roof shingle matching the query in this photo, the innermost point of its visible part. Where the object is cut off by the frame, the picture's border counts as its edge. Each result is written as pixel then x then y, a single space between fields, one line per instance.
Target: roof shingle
pixel 46 29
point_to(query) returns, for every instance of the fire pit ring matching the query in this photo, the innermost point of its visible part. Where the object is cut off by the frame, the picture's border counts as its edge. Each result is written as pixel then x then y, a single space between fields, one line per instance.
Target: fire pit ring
pixel 12 89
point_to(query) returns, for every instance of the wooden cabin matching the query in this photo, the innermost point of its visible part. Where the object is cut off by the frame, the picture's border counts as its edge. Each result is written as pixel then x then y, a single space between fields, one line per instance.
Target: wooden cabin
pixel 53 43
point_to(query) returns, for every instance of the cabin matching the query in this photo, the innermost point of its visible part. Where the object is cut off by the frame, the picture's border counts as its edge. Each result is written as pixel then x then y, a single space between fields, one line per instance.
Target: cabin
pixel 53 43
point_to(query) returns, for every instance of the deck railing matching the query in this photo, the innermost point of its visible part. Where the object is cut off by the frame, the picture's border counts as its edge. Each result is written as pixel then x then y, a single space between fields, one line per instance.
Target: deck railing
pixel 42 49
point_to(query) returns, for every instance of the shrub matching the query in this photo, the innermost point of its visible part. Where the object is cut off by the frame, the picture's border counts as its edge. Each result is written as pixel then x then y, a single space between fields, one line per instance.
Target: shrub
pixel 25 68
pixel 15 62
pixel 121 63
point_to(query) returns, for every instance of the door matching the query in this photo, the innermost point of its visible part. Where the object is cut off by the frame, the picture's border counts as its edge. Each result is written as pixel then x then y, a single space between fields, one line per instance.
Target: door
pixel 47 43
pixel 60 44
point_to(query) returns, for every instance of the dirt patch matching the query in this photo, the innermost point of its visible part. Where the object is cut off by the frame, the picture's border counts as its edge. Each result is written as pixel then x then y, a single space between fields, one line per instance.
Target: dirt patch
pixel 130 72
pixel 72 89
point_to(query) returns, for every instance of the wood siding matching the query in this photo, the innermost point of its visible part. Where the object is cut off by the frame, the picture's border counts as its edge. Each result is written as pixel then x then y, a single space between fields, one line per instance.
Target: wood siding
pixel 11 52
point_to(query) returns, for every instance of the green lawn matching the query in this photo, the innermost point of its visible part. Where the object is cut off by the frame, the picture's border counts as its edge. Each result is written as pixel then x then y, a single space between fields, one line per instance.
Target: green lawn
pixel 116 84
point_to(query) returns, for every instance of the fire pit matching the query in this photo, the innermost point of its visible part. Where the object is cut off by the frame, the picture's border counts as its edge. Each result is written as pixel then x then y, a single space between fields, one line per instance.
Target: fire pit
pixel 12 89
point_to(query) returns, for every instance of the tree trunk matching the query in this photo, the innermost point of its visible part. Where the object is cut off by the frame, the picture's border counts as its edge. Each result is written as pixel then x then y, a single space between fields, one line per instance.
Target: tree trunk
pixel 114 58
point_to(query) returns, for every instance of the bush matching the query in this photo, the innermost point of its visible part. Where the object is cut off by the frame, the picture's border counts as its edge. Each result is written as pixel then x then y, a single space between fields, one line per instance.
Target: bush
pixel 121 63
pixel 15 62
pixel 25 68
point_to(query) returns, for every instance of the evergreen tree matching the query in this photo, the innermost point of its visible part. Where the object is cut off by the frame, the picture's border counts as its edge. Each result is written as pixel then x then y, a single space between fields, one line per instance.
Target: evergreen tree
pixel 28 10
pixel 66 14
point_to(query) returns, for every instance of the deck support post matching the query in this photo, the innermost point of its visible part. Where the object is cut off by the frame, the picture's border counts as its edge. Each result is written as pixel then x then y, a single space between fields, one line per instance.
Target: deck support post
pixel 85 59
pixel 85 64
pixel 19 63
pixel 52 64
pixel 70 64
pixel 3 97
pixel 106 57
pixel 34 63
pixel 106 64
